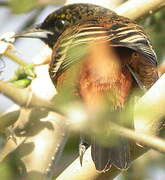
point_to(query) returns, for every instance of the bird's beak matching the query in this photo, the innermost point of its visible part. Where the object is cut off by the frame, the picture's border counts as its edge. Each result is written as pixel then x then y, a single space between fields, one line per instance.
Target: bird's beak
pixel 34 33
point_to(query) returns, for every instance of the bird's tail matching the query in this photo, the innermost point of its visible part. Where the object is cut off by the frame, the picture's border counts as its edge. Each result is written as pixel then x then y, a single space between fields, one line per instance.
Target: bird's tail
pixel 116 155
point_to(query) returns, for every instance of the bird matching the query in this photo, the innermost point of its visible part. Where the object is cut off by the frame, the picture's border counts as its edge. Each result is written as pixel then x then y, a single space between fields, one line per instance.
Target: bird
pixel 99 58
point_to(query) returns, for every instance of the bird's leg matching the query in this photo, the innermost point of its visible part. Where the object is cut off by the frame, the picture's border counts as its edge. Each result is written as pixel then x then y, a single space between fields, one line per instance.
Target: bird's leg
pixel 82 147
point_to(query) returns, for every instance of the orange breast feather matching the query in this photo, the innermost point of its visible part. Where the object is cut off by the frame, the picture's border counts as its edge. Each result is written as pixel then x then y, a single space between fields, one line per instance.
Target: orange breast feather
pixel 104 81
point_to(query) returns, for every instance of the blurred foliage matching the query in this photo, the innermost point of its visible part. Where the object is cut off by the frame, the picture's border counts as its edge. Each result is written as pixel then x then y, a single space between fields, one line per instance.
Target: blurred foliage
pixel 12 167
pixel 154 25
pixel 23 6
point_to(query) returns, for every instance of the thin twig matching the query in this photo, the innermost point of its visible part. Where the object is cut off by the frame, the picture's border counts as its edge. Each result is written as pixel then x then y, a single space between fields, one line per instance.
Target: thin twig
pixel 147 140
pixel 15 58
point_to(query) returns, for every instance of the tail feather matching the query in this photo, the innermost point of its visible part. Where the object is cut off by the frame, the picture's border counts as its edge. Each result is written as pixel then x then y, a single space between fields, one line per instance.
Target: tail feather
pixel 118 154
pixel 99 156
pixel 105 157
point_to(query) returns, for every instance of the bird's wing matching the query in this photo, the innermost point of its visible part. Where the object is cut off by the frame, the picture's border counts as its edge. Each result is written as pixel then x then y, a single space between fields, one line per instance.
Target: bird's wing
pixel 73 44
pixel 133 37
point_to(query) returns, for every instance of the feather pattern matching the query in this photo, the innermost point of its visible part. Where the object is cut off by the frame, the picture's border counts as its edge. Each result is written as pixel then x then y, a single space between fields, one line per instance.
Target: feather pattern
pixel 118 35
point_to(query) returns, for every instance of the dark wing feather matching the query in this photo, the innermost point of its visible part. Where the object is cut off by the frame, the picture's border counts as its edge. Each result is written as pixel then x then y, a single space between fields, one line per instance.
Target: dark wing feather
pixel 133 37
pixel 73 44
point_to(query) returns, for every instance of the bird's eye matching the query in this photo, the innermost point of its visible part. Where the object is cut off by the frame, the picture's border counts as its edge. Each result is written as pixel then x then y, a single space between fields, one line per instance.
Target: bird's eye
pixel 63 22
pixel 60 25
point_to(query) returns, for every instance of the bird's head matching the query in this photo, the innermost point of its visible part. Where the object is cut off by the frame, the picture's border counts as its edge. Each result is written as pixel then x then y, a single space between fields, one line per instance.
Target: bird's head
pixel 59 20
pixel 48 31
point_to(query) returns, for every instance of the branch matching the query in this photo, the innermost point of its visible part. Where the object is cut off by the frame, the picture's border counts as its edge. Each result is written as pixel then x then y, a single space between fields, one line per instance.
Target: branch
pixel 47 135
pixel 138 9
pixel 149 110
pixel 7 49
pixel 11 55
pixel 40 147
pixel 145 139
pixel 25 97
pixel 141 138
pixel 48 143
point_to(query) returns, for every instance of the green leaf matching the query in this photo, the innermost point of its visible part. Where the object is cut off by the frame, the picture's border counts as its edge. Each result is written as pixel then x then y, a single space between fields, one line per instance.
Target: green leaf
pixel 24 72
pixel 23 83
